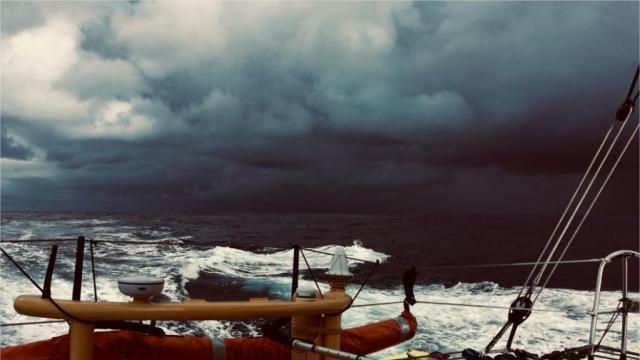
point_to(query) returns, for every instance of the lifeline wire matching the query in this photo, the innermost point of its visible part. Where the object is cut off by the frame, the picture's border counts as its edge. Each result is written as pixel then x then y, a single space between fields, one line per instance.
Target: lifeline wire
pixel 454 304
pixel 428 267
pixel 31 323
pixel 435 267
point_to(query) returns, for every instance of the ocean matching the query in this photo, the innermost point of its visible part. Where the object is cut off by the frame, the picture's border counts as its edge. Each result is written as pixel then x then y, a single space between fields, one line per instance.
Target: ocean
pixel 238 256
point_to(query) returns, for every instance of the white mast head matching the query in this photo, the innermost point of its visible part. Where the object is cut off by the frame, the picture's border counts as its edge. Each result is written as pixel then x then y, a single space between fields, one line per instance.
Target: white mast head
pixel 339 265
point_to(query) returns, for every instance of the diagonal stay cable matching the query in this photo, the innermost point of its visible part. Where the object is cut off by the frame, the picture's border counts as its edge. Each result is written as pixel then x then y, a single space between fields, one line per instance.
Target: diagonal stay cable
pixel 60 308
pixel 623 114
pixel 588 211
pixel 610 323
pixel 311 272
pixel 375 266
pixel 567 207
pixel 577 207
pixel 21 270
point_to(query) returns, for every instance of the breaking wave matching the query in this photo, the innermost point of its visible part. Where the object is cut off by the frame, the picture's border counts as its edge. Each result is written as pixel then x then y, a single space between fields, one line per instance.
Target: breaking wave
pixel 242 273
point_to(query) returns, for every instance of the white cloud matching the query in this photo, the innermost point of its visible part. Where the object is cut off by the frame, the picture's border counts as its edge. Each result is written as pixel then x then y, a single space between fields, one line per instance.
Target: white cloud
pixel 48 80
pixel 169 36
pixel 129 120
pixel 32 60
pixel 94 77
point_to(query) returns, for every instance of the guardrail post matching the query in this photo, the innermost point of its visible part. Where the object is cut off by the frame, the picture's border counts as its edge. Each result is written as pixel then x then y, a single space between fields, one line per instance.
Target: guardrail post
pixel 77 277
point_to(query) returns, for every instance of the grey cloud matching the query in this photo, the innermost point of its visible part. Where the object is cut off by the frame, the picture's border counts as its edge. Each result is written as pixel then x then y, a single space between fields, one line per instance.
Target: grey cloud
pixel 12 149
pixel 338 107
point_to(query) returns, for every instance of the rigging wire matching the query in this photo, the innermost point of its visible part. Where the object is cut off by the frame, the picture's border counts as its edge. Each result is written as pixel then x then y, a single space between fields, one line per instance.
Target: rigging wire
pixel 426 302
pixel 611 322
pixel 27 241
pixel 462 266
pixel 62 310
pixel 375 266
pixel 588 211
pixel 426 267
pixel 31 323
pixel 577 207
pixel 566 209
pixel 623 113
pixel 311 272
pixel 22 270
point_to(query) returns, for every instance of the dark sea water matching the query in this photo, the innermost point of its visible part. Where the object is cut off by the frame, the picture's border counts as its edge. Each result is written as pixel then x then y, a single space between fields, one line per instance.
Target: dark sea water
pixel 237 256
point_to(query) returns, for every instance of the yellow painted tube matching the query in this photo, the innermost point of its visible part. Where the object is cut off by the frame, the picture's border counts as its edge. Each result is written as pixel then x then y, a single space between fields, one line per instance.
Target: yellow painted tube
pixel 333 321
pixel 305 327
pixel 81 346
pixel 90 311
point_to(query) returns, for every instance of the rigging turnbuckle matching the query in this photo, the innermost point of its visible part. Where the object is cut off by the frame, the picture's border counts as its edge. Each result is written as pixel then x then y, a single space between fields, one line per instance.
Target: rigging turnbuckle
pixel 519 311
pixel 629 103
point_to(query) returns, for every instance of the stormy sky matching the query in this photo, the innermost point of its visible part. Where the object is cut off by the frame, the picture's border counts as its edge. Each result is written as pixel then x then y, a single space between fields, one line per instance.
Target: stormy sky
pixel 429 107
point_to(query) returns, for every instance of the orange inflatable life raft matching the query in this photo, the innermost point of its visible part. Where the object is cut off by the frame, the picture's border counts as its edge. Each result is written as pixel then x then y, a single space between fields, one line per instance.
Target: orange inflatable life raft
pixel 135 346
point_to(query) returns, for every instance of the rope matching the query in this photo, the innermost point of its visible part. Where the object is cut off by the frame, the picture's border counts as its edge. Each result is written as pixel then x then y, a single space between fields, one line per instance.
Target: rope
pixel 311 272
pixel 588 211
pixel 31 323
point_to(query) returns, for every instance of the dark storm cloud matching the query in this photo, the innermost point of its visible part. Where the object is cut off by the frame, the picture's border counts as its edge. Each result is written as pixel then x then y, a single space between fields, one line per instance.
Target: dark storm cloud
pixel 423 107
pixel 12 149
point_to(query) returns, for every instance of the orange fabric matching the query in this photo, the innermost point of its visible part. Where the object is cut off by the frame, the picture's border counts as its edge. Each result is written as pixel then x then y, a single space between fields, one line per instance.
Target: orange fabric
pixel 116 345
pixel 370 338
pixel 135 346
pixel 255 348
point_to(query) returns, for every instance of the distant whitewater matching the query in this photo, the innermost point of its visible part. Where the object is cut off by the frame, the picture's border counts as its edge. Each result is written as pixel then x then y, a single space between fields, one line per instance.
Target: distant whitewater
pixel 239 256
